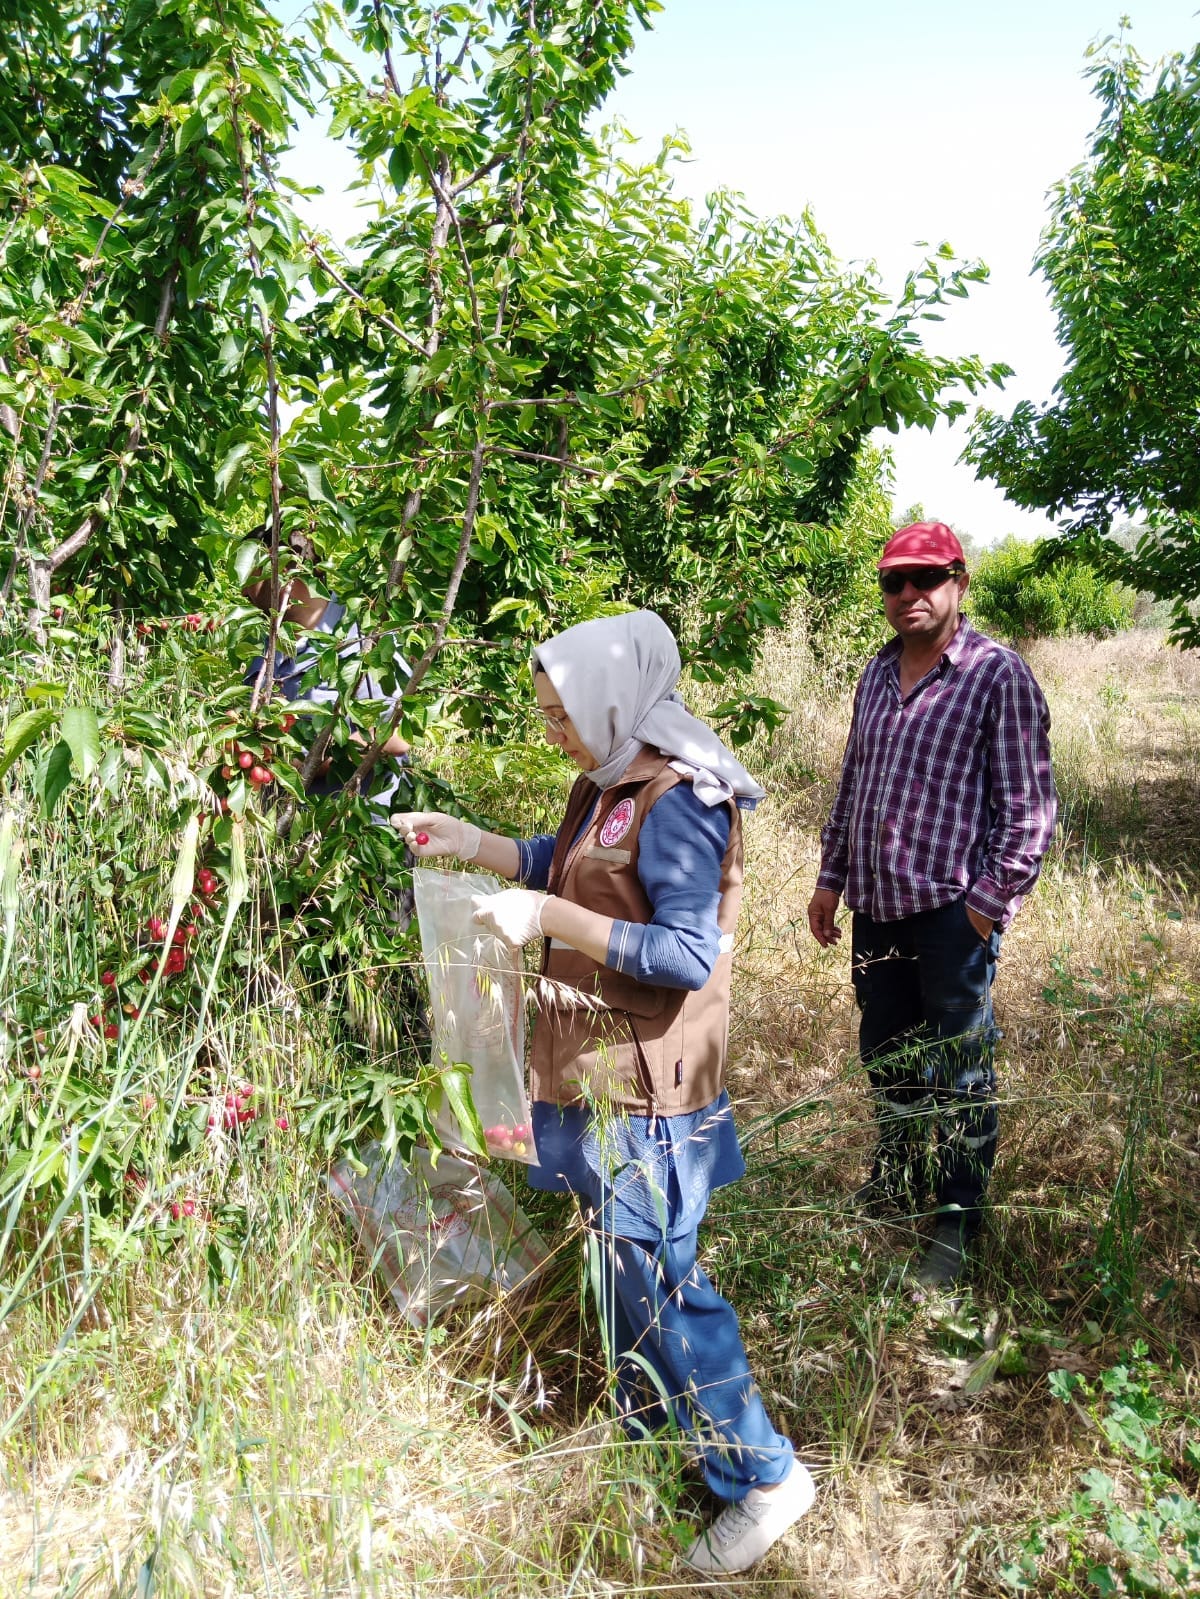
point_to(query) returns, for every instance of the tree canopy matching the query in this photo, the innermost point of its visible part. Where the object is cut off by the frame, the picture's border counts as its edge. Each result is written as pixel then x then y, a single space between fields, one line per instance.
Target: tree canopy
pixel 1121 255
pixel 540 383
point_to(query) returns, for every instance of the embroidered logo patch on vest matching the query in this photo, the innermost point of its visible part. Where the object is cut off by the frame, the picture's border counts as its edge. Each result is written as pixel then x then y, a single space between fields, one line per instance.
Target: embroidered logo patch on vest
pixel 617 823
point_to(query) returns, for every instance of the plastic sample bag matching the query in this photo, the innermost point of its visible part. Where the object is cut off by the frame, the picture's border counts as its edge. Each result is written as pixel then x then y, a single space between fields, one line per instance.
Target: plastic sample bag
pixel 441 1236
pixel 476 1009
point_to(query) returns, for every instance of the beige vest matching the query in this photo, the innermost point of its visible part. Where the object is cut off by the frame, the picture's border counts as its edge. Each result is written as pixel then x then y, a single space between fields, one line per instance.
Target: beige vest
pixel 605 1038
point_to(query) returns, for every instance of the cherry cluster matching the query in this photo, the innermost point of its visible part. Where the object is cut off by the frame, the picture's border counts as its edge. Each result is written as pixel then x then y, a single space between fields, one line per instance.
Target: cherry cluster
pixel 193 622
pixel 179 1209
pixel 258 774
pixel 238 1109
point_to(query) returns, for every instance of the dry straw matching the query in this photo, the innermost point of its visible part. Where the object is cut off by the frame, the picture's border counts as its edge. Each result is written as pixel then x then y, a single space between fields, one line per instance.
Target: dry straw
pixel 289 1436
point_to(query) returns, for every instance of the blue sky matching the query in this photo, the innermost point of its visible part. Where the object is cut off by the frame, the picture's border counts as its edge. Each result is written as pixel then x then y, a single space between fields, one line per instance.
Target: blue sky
pixel 938 119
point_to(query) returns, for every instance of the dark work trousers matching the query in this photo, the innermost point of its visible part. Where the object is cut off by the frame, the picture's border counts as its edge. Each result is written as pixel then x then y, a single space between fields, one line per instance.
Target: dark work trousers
pixel 927 1038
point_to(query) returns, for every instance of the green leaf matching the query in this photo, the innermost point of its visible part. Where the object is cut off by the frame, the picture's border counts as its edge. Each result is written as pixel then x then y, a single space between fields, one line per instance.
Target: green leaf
pixel 314 481
pixel 10 865
pixel 23 731
pixel 81 729
pixel 183 881
pixel 54 777
pixel 456 1082
pixel 229 473
pixel 400 165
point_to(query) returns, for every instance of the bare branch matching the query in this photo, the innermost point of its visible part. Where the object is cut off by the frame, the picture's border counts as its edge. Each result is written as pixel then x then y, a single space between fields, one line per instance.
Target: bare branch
pixel 389 66
pixel 432 650
pixel 412 504
pixel 323 261
pixel 489 165
pixel 166 302
pixel 488 449
pixel 573 397
pixel 518 200
pixel 266 677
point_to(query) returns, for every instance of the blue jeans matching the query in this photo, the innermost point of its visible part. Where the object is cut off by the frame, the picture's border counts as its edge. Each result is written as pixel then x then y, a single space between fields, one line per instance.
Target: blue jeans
pixel 927 1038
pixel 678 1356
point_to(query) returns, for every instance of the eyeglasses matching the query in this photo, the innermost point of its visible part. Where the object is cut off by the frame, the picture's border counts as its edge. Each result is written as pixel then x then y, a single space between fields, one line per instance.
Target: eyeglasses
pixel 554 724
pixel 922 578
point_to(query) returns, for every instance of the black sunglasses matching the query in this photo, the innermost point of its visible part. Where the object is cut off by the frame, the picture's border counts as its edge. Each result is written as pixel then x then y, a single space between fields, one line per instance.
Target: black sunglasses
pixel 924 578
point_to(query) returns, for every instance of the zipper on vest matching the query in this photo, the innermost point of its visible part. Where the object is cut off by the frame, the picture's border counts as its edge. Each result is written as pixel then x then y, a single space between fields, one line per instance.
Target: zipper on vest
pixel 645 1073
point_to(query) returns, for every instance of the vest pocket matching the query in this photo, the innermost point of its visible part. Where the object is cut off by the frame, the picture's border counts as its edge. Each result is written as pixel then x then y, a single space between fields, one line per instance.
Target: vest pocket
pixel 614 989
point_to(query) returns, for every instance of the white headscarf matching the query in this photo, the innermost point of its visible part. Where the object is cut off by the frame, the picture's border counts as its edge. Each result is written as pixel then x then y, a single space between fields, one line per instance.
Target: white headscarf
pixel 616 677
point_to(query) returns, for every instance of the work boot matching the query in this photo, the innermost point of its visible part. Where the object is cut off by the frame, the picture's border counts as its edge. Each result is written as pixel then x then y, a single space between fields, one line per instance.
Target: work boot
pixel 892 1189
pixel 945 1262
pixel 883 1200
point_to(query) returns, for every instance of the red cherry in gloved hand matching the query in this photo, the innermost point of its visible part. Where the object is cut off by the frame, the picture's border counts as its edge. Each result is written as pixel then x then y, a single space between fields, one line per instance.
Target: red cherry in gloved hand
pixel 422 838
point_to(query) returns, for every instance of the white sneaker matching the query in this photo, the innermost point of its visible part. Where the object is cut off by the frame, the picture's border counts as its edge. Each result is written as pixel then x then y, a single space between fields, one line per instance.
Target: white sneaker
pixel 744 1531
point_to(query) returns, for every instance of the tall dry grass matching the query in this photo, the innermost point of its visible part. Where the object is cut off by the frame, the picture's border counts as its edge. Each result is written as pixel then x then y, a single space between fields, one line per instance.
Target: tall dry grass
pixel 287 1435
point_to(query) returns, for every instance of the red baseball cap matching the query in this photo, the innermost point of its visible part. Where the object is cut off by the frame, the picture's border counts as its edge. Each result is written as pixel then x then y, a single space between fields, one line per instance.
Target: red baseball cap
pixel 922 544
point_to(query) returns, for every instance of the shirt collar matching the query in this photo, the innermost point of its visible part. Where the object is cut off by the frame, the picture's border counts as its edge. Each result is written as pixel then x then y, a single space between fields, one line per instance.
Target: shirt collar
pixel 890 654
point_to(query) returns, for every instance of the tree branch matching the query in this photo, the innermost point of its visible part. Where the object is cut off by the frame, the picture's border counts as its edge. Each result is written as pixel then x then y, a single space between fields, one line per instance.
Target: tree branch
pixel 432 650
pixel 573 397
pixel 323 261
pixel 389 65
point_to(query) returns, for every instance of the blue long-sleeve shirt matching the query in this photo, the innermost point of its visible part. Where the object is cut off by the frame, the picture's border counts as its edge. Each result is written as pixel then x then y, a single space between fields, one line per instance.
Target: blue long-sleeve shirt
pixel 680 849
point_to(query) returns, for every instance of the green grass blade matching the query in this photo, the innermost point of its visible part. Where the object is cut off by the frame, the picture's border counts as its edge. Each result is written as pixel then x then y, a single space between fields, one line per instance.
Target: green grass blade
pixel 10 862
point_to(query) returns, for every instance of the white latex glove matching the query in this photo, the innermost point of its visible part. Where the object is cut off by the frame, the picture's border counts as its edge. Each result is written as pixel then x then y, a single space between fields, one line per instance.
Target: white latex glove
pixel 514 914
pixel 443 835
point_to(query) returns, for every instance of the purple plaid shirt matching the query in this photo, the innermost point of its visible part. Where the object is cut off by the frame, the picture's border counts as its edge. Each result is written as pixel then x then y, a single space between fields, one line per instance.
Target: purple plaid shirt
pixel 946 791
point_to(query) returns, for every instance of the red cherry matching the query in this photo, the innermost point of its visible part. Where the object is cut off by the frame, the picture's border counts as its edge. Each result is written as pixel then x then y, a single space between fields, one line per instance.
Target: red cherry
pixel 156 927
pixel 288 722
pixel 178 936
pixel 282 1123
pixel 33 1072
pixel 245 760
pixel 109 979
pixel 259 775
pixel 96 1021
pixel 227 772
pixel 112 1030
pixel 422 838
pixel 188 1207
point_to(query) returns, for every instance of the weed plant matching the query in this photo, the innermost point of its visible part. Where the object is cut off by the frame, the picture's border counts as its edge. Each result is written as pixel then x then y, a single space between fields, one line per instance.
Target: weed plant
pixel 225 1402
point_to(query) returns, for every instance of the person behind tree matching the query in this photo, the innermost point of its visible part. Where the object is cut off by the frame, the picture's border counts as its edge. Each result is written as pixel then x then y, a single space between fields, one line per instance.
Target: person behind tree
pixel 299 676
pixel 636 899
pixel 944 810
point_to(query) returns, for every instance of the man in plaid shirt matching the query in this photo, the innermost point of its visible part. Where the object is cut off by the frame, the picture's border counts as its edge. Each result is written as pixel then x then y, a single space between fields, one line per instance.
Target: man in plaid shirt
pixel 945 808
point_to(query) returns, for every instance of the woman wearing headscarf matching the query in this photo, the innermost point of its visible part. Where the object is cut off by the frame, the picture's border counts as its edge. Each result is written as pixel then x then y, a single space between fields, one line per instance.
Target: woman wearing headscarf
pixel 636 898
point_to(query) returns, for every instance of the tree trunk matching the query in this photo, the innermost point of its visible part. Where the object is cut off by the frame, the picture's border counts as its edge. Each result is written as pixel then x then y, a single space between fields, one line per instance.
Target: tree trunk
pixel 40 571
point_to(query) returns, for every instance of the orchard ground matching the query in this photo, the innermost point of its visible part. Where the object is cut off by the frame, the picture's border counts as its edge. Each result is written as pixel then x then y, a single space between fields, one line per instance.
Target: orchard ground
pixel 285 1432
